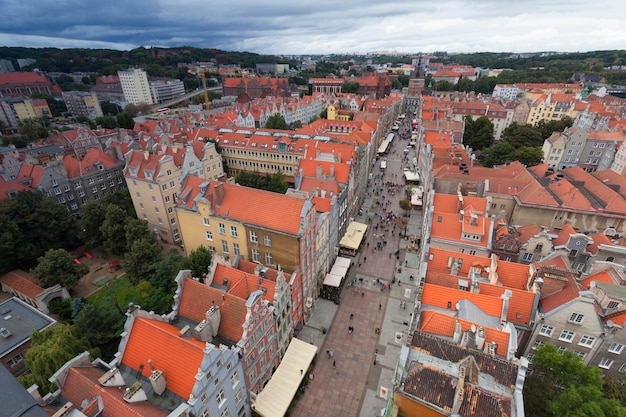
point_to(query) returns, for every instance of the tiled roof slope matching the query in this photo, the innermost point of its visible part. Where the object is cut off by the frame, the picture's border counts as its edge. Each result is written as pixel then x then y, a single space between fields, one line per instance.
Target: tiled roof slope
pixel 478 402
pixel 197 298
pixel 438 296
pixel 256 207
pixel 430 385
pixel 82 384
pixel 22 282
pixel 503 371
pixel 155 341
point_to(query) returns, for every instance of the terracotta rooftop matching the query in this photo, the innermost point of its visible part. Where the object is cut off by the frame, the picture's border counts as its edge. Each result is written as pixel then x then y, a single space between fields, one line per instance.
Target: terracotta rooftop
pixel 263 208
pixel 22 282
pixel 82 384
pixel 155 341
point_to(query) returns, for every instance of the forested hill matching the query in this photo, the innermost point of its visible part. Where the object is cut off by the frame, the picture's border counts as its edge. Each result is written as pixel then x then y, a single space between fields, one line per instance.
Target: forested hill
pixel 109 61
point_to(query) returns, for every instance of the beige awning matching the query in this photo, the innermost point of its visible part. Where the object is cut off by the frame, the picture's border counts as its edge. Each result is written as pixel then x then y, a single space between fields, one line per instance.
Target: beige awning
pixel 333 280
pixel 354 235
pixel 341 261
pixel 275 398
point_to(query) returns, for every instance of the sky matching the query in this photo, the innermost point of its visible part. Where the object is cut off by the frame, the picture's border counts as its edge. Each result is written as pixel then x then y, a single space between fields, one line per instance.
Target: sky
pixel 300 27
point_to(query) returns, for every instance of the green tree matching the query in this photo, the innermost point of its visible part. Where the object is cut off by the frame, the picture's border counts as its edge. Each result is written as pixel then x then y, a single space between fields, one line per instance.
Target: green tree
pixel 108 122
pixel 125 120
pixel 405 205
pixel 278 183
pixel 561 385
pixel 478 134
pixel 165 271
pixel 114 230
pixel 57 266
pixel 497 154
pixel 137 229
pixel 110 108
pixel 92 215
pixel 547 128
pixel 276 121
pixel 98 325
pixel 33 129
pixel 523 135
pixel 49 351
pixel 350 87
pixel 198 262
pixel 529 156
pixel 141 258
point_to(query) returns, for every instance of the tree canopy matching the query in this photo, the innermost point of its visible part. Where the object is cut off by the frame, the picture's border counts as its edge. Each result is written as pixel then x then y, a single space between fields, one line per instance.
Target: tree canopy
pixel 57 266
pixel 478 134
pixel 276 121
pixel 276 182
pixel 561 385
pixel 49 350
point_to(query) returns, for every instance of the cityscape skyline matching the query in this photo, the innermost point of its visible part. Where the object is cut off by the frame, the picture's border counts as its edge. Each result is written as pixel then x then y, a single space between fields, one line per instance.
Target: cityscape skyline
pixel 321 27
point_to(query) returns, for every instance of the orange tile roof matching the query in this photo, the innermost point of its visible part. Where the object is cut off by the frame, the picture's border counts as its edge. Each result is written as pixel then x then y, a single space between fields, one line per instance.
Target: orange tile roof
pixel 87 165
pixel 563 236
pixel 598 239
pixel 341 171
pixel 22 282
pixel 521 302
pixel 438 296
pixel 603 276
pixel 197 298
pixel 619 318
pixel 567 294
pixel 82 384
pixel 525 233
pixel 263 208
pixel 155 341
pixel 8 188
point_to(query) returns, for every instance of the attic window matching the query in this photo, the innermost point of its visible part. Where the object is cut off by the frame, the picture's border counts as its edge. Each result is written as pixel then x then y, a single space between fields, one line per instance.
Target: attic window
pixel 439 219
pixel 254 144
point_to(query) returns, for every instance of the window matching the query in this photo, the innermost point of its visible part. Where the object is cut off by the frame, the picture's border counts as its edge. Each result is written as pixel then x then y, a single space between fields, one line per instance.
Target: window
pixel 622 368
pixel 169 172
pixel 234 379
pixel 173 220
pixel 587 341
pixel 221 228
pixel 94 189
pixel 14 361
pixel 91 181
pixel 268 258
pixel 225 412
pixel 103 186
pixel 546 330
pixel 561 349
pixel 528 257
pixel 239 395
pixel 164 187
pixel 580 354
pixel 236 249
pixel 233 231
pixel 267 240
pixel 613 304
pixel 576 318
pixel 538 344
pixel 206 222
pixel 253 237
pixel 616 348
pixel 567 336
pixel 605 363
pixel 224 246
pixel 170 210
pixel 220 397
pixel 81 193
pixel 255 255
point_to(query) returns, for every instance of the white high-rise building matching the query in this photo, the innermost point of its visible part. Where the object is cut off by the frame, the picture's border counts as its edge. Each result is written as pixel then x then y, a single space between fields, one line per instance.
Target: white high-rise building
pixel 135 86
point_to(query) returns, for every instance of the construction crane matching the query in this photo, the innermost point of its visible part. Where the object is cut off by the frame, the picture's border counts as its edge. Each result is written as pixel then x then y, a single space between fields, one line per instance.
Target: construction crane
pixel 206 92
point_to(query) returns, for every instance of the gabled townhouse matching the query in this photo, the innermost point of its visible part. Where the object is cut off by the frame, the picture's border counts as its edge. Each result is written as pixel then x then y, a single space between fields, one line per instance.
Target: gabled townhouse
pixel 536 244
pixel 153 179
pixel 574 246
pixel 270 228
pixel 461 224
pixel 575 142
pixel 607 285
pixel 238 314
pixel 567 315
pixel 436 377
pixel 600 149
pixel 506 245
pixel 78 140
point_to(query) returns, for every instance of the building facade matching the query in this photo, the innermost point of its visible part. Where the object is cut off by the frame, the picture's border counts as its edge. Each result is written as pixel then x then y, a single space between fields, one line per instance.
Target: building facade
pixel 135 85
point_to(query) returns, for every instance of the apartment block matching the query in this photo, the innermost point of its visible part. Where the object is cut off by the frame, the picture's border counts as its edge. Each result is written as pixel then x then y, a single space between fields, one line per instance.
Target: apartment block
pixel 135 85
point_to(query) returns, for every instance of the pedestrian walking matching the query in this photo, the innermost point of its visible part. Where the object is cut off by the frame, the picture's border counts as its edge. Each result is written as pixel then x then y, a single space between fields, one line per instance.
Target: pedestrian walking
pixel 333 364
pixel 328 354
pixel 380 306
pixel 351 316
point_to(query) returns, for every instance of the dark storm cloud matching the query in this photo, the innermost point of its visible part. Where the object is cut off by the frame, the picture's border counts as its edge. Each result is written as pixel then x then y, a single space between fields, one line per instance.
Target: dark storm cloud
pixel 321 26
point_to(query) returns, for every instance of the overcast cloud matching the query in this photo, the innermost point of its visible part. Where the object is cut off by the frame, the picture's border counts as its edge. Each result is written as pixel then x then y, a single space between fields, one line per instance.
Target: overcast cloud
pixel 318 27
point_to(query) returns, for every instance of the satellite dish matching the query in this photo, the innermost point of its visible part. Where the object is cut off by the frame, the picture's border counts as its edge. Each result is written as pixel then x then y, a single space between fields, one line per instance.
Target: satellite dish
pixel 473 328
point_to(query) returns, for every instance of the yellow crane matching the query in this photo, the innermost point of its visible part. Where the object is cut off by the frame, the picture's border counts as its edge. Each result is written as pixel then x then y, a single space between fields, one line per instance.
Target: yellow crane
pixel 206 92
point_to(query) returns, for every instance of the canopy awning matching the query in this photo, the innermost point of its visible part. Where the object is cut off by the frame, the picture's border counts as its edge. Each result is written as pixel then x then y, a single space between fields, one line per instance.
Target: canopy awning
pixel 333 280
pixel 411 176
pixel 354 235
pixel 275 398
pixel 341 261
pixel 416 196
pixel 339 270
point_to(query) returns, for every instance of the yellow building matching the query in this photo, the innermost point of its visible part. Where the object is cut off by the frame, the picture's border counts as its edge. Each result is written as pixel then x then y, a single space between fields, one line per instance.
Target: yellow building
pixel 24 110
pixel 334 113
pixel 153 180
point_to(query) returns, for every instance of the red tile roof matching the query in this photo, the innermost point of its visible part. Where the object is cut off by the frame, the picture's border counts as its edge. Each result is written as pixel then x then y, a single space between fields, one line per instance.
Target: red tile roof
pixel 155 341
pixel 22 282
pixel 23 78
pixel 197 298
pixel 438 296
pixel 520 303
pixel 563 236
pixel 88 165
pixel 82 384
pixel 603 276
pixel 567 294
pixel 263 208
